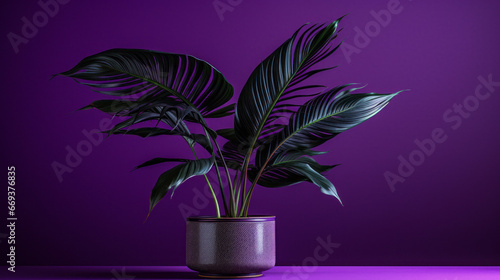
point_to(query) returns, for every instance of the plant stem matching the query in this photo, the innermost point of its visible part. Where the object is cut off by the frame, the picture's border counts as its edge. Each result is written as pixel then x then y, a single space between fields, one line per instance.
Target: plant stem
pixel 242 193
pixel 247 199
pixel 214 196
pixel 231 188
pixel 245 176
pixel 228 176
pixel 221 187
pixel 249 196
pixel 208 182
pixel 218 173
pixel 237 200
pixel 261 126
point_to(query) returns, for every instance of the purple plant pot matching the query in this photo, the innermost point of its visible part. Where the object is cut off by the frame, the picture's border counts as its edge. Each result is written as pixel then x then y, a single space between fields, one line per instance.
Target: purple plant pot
pixel 230 247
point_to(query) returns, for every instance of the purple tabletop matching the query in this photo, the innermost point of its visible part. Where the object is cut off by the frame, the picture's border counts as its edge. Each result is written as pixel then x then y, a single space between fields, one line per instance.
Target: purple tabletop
pixel 282 273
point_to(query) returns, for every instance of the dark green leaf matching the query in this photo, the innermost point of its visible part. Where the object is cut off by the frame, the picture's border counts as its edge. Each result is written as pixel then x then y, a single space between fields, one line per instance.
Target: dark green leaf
pixel 114 106
pixel 233 152
pixel 155 131
pixel 145 131
pixel 227 133
pixel 160 160
pixel 291 172
pixel 136 119
pixel 127 72
pixel 277 79
pixel 172 178
pixel 222 112
pixel 322 118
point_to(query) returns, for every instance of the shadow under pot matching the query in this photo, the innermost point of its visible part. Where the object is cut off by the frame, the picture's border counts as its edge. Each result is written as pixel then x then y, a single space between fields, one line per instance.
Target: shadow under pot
pixel 226 247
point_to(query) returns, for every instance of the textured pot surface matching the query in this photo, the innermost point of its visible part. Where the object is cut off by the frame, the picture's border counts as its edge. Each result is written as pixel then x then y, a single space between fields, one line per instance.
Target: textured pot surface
pixel 230 246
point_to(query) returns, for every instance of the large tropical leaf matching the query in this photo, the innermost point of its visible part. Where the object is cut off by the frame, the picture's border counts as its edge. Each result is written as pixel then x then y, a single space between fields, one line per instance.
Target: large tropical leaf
pixel 111 106
pixel 233 151
pixel 233 154
pixel 160 160
pixel 278 79
pixel 294 168
pixel 322 118
pixel 227 133
pixel 156 75
pixel 171 179
pixel 129 106
pixel 276 173
pixel 145 132
pixel 222 112
pixel 138 112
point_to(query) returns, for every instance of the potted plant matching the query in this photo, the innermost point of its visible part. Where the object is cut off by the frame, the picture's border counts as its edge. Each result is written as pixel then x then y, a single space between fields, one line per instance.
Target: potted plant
pixel 279 119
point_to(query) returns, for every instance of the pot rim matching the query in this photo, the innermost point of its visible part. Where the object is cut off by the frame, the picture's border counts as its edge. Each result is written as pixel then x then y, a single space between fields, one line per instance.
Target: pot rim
pixel 252 218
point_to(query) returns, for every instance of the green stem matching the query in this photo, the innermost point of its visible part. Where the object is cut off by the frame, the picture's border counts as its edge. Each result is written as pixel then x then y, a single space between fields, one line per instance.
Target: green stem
pixel 214 196
pixel 249 196
pixel 208 182
pixel 185 100
pixel 245 176
pixel 262 123
pixel 218 174
pixel 226 211
pixel 243 192
pixel 231 188
pixel 235 185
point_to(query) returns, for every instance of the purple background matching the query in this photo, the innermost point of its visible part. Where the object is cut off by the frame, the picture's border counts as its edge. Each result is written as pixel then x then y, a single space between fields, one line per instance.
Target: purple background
pixel 445 213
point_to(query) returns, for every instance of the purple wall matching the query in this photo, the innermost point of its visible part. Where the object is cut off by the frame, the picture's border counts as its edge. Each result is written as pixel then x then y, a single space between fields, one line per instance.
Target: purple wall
pixel 440 211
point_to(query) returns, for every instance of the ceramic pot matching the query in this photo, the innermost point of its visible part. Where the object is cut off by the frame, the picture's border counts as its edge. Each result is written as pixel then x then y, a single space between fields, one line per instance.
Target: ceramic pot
pixel 230 247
